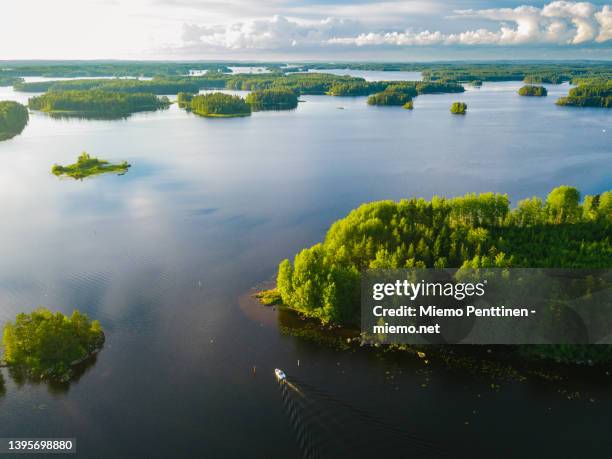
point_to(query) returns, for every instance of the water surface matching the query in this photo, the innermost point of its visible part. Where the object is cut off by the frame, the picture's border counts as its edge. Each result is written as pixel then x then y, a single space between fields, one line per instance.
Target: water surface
pixel 162 255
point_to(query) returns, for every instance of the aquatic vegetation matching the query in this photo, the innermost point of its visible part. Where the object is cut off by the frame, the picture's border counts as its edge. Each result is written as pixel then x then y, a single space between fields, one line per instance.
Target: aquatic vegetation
pixel 272 99
pixel 533 91
pixel 87 166
pixel 219 105
pixel 408 105
pixel 13 119
pixel 269 297
pixel 458 108
pixel 49 345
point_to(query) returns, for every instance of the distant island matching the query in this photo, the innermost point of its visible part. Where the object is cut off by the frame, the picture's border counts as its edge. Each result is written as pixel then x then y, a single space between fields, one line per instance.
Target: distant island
pixel 96 103
pixel 13 119
pixel 589 93
pixel 473 231
pixel 158 85
pixel 87 166
pixel 533 91
pixel 458 108
pixel 272 99
pixel 219 105
pixel 47 345
pixel 9 80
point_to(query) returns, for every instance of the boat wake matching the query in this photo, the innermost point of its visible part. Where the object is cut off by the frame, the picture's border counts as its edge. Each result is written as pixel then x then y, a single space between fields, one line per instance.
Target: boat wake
pixel 327 427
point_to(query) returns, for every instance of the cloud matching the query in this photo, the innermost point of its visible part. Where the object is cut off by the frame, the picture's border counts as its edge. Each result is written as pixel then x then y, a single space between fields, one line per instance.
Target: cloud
pixel 277 32
pixel 559 22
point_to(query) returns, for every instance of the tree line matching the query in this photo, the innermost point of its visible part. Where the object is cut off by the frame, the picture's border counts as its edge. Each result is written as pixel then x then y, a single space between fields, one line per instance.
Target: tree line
pixel 13 119
pixel 473 230
pixel 590 93
pixel 96 102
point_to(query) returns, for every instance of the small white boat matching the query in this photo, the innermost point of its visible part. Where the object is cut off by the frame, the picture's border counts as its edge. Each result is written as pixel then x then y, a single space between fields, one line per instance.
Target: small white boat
pixel 280 374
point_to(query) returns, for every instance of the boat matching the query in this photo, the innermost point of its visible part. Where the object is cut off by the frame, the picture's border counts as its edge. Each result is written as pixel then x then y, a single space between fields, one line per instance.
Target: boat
pixel 280 375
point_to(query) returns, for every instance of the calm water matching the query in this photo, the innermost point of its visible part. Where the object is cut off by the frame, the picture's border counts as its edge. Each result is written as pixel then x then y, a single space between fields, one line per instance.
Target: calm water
pixel 162 255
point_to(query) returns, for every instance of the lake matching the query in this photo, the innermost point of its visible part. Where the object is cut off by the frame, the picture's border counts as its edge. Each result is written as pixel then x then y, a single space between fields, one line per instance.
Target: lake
pixel 164 256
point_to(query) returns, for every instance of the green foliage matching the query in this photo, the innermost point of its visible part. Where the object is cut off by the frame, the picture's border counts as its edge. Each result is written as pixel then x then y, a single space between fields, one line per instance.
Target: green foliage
pixel 533 91
pixel 356 88
pixel 184 99
pixel 48 345
pixel 108 69
pixel 533 73
pixel 458 108
pixel 438 87
pixel 96 102
pixel 87 166
pixel 272 99
pixel 589 94
pixel 269 297
pixel 389 98
pixel 408 105
pixel 219 105
pixel 301 83
pixel 9 80
pixel 13 119
pixel 472 231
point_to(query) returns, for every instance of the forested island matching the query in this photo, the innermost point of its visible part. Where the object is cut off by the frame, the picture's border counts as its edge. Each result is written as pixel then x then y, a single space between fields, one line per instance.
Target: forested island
pixel 80 69
pixel 461 72
pixel 458 108
pixel 87 166
pixel 13 119
pixel 533 91
pixel 594 93
pixel 96 102
pixel 9 80
pixel 272 99
pixel 48 345
pixel 401 93
pixel 158 86
pixel 475 231
pixel 392 97
pixel 219 105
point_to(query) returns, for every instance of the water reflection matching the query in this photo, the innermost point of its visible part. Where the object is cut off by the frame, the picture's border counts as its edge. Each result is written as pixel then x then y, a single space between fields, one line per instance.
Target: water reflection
pixel 21 377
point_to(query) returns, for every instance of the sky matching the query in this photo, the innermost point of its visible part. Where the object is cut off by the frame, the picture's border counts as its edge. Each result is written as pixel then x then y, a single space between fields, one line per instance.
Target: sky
pixel 298 30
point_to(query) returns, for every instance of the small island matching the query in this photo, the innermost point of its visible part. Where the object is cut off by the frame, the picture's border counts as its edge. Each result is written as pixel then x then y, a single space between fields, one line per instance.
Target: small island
pixel 13 119
pixel 87 166
pixel 458 108
pixel 589 93
pixel 96 103
pixel 219 105
pixel 48 346
pixel 533 91
pixel 272 99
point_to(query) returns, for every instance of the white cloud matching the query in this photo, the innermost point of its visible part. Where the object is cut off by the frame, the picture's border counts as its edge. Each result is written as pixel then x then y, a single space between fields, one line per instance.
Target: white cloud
pixel 604 18
pixel 277 32
pixel 559 22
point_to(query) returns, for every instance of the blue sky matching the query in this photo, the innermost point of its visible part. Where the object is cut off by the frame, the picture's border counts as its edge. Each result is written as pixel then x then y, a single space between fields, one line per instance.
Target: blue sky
pixel 297 30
